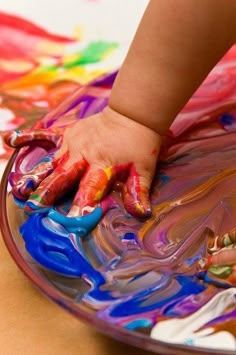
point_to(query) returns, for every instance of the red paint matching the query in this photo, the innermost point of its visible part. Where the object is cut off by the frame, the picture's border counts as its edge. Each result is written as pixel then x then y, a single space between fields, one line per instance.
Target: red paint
pixel 7 20
pixel 136 196
pixel 19 42
pixel 61 181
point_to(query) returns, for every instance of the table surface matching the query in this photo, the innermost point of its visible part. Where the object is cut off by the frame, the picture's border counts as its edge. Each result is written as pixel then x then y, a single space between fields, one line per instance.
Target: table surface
pixel 30 324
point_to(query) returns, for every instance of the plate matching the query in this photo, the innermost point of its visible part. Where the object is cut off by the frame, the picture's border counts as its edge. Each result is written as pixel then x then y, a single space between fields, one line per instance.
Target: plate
pixel 129 278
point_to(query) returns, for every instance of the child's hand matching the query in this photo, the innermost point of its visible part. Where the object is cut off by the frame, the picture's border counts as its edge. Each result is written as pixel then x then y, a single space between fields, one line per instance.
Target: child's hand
pixel 94 153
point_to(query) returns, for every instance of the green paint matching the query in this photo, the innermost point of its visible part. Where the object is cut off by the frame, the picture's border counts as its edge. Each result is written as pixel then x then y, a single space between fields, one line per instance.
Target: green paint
pixel 36 197
pixel 227 241
pixel 93 53
pixel 220 271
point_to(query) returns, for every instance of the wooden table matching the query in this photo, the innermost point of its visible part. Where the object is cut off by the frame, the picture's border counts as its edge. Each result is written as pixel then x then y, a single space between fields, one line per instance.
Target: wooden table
pixel 30 324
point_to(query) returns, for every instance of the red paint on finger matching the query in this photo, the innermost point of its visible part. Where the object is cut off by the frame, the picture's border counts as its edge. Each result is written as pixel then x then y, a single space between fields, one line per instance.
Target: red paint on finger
pixel 61 181
pixel 136 196
pixel 94 186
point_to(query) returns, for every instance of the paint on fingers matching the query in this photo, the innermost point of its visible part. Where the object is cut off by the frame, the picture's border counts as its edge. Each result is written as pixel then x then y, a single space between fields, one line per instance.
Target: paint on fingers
pixel 94 186
pixel 136 196
pixel 27 183
pixel 61 181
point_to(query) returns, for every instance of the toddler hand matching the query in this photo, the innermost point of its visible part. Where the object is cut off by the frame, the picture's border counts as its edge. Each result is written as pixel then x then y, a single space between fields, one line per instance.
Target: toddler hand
pixel 93 154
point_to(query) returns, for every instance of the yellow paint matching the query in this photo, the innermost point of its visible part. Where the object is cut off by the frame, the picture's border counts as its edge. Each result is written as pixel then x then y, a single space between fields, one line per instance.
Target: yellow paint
pixel 51 48
pixel 108 171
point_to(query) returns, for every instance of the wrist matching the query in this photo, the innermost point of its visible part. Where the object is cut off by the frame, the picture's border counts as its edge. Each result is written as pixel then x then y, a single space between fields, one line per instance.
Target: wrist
pixel 116 118
pixel 143 100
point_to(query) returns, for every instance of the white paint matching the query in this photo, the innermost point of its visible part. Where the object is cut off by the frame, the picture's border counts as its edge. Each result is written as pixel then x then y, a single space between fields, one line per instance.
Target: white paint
pixel 6 116
pixel 185 330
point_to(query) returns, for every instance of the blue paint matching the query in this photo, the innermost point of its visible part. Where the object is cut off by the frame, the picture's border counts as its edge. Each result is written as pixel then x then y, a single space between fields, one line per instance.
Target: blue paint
pixel 227 119
pixel 164 178
pixel 211 280
pixel 30 184
pixel 54 250
pixel 188 284
pixel 47 159
pixel 189 341
pixel 18 202
pixel 35 208
pixel 138 276
pixel 138 323
pixel 79 225
pixel 55 247
pixel 113 264
pixel 130 236
pixel 131 240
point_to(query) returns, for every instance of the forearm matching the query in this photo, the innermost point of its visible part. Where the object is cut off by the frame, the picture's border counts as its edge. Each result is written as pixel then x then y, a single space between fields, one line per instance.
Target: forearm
pixel 176 45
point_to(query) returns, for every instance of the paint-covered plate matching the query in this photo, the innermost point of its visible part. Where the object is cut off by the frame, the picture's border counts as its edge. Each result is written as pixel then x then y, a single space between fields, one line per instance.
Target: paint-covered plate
pixel 68 292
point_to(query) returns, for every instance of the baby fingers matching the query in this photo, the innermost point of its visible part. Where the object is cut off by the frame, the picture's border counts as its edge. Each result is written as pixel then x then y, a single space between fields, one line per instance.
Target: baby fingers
pixel 136 194
pixel 24 184
pixel 94 186
pixel 62 180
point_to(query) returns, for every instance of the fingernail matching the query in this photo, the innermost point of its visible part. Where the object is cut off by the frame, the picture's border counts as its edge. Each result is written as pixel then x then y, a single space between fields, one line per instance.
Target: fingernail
pixel 139 210
pixel 143 211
